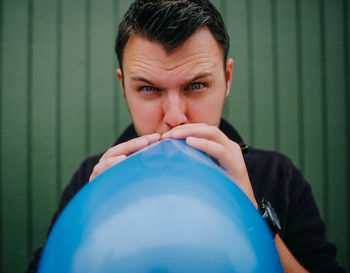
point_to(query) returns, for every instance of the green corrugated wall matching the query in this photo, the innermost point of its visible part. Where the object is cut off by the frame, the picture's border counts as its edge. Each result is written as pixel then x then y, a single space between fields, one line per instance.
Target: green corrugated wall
pixel 60 101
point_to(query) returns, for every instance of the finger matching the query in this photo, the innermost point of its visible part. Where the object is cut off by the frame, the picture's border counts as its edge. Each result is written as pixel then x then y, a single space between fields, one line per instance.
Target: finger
pixel 152 137
pixel 131 146
pixel 105 164
pixel 199 130
pixel 230 159
pixel 209 147
pixel 180 129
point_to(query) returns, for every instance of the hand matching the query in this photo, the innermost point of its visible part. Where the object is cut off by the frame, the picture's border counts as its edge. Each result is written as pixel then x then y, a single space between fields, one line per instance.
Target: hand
pixel 212 141
pixel 119 152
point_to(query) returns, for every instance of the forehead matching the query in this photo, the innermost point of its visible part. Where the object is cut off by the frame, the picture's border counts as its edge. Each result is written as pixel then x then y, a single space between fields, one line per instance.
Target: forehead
pixel 200 50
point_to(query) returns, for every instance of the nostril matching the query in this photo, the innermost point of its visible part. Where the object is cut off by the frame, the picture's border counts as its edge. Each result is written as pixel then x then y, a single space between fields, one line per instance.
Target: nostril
pixel 174 107
pixel 175 118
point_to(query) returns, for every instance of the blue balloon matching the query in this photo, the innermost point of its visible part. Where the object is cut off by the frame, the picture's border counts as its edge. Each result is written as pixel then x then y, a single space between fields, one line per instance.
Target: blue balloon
pixel 166 208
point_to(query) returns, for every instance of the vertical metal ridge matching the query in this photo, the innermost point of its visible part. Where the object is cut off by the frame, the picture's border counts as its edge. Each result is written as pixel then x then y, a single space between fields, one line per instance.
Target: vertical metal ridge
pixel 1 130
pixel 347 99
pixel 250 74
pixel 115 82
pixel 300 80
pixel 275 68
pixel 324 110
pixel 87 77
pixel 226 110
pixel 58 97
pixel 29 116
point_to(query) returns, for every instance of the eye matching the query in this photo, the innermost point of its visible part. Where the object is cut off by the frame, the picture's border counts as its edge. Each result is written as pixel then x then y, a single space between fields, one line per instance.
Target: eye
pixel 149 88
pixel 196 86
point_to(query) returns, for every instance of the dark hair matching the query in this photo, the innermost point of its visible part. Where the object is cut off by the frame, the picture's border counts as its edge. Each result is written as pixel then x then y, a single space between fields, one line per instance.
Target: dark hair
pixel 170 23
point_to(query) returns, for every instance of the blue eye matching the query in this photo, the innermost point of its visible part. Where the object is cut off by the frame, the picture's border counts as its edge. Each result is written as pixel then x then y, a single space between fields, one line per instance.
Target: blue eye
pixel 196 86
pixel 149 88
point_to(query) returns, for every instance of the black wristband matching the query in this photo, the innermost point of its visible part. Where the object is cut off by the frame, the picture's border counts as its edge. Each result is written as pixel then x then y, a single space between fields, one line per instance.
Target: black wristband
pixel 269 215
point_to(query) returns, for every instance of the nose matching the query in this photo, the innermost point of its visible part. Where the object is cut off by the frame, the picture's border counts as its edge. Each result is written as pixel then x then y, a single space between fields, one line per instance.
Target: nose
pixel 174 109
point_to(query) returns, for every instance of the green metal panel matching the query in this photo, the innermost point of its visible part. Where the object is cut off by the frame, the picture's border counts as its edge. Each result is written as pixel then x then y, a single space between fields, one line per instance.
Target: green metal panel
pixel 309 69
pixel 14 135
pixel 122 117
pixel 335 124
pixel 286 79
pixel 43 157
pixel 264 135
pixel 101 76
pixel 219 4
pixel 1 128
pixel 238 101
pixel 347 95
pixel 73 88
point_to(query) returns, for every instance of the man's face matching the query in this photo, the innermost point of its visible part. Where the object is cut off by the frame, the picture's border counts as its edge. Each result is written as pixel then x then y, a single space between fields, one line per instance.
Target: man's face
pixel 165 90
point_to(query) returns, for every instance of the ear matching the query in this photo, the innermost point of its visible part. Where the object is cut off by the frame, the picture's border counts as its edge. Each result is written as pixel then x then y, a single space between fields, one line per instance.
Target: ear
pixel 120 77
pixel 229 69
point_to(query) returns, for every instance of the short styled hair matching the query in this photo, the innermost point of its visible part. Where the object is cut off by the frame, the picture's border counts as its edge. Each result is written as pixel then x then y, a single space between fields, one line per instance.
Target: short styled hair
pixel 170 23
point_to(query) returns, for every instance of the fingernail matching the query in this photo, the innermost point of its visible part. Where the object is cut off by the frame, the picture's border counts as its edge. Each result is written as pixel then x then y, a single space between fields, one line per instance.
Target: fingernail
pixel 191 139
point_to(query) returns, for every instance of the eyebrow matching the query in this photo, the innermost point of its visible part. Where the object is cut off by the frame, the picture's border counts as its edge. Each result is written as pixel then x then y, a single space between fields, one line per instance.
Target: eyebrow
pixel 141 79
pixel 199 76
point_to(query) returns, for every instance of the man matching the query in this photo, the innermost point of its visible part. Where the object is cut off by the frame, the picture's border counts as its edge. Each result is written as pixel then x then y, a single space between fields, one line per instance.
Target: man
pixel 175 76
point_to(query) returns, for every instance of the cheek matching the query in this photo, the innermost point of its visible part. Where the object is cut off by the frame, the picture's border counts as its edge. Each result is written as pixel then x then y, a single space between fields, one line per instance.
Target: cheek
pixel 146 115
pixel 207 111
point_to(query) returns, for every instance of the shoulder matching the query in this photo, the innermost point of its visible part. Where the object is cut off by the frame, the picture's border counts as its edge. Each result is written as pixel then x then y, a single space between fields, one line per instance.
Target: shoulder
pixel 268 156
pixel 273 173
pixel 269 166
pixel 81 176
pixel 79 179
pixel 275 177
